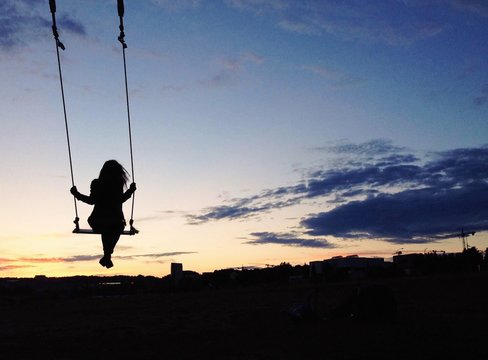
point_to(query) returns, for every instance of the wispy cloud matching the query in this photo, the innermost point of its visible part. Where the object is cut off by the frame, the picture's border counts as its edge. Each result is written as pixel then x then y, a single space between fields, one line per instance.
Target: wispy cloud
pixel 240 209
pixel 161 215
pixel 372 21
pixel 22 262
pixel 287 239
pixel 299 27
pixel 382 192
pixel 71 25
pixel 157 255
pixel 24 21
pixel 335 77
pixel 13 267
pixel 477 7
pixel 230 68
pixel 482 98
pixel 177 5
pixel 372 148
pixel 470 69
pixel 44 260
pixel 259 6
pixel 394 23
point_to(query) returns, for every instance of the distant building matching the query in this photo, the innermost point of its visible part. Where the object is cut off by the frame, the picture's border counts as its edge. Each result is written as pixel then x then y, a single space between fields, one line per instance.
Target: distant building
pixel 352 265
pixel 176 272
pixel 354 262
pixel 439 262
pixel 409 263
pixel 316 268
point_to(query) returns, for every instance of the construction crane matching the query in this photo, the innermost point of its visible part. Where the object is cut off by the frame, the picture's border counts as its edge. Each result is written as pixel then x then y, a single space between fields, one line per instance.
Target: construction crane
pixel 464 235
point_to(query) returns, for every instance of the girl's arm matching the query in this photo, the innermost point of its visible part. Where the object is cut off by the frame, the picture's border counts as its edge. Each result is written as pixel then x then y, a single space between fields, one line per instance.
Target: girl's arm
pixel 126 196
pixel 82 197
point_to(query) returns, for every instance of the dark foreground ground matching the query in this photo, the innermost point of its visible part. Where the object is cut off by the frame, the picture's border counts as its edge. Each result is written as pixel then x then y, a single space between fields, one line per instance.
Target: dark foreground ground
pixel 443 317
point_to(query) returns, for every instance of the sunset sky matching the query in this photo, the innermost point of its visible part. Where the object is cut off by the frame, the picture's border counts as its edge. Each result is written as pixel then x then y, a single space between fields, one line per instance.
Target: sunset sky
pixel 264 130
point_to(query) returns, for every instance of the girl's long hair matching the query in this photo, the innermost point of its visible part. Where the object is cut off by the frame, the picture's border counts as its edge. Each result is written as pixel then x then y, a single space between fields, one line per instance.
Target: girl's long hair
pixel 114 174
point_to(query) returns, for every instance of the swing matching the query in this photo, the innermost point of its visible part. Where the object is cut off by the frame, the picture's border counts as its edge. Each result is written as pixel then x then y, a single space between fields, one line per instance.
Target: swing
pixel 120 8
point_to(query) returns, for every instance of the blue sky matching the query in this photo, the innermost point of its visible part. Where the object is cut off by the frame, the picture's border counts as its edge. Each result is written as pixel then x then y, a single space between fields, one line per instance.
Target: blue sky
pixel 264 130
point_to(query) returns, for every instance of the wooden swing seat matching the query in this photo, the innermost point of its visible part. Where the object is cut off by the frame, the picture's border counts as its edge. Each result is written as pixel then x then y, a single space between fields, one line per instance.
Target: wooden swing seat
pixel 132 231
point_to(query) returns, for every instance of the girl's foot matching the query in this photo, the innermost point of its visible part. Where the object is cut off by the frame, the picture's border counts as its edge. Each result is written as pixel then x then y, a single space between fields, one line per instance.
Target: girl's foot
pixel 103 261
pixel 106 262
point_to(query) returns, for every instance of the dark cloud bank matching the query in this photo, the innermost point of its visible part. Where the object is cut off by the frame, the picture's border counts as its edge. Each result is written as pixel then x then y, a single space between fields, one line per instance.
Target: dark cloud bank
pixel 379 191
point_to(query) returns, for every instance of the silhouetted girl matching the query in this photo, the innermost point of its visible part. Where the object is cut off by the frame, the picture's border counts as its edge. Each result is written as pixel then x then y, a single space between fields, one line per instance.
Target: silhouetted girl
pixel 107 195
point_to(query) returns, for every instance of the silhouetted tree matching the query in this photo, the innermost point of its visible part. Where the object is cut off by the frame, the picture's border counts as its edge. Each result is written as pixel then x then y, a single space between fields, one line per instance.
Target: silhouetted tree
pixel 473 258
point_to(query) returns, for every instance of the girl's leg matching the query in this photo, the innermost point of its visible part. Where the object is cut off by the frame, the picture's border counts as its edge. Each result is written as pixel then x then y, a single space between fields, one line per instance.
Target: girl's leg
pixel 109 240
pixel 114 238
pixel 107 244
pixel 105 260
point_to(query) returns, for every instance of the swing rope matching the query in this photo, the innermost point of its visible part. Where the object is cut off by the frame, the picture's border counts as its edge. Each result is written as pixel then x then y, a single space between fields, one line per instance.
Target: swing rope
pixel 121 38
pixel 59 44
